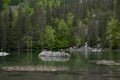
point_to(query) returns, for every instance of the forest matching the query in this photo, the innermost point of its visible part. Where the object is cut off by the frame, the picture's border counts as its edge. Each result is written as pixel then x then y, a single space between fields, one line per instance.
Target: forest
pixel 37 24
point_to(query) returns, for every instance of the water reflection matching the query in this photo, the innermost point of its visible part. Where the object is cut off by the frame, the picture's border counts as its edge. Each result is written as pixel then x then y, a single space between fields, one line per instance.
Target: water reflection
pixel 54 76
pixel 78 67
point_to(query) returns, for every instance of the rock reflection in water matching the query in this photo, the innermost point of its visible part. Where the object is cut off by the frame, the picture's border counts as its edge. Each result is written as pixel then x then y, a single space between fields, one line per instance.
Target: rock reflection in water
pixel 46 58
pixel 54 56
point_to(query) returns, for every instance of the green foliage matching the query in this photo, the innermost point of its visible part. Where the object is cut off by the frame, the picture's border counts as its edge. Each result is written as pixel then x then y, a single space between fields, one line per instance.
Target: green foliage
pixel 6 2
pixel 114 33
pixel 43 4
pixel 49 37
pixel 27 41
pixel 51 3
pixel 70 19
pixel 16 2
pixel 62 34
pixel 1 5
pixel 29 11
pixel 69 23
pixel 80 34
pixel 58 2
pixel 48 3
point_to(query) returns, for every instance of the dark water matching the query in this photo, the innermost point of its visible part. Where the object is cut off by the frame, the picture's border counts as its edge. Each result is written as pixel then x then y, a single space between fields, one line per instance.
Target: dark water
pixel 78 67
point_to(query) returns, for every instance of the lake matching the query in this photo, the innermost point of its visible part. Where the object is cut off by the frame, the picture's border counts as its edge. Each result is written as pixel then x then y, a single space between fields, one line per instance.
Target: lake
pixel 77 67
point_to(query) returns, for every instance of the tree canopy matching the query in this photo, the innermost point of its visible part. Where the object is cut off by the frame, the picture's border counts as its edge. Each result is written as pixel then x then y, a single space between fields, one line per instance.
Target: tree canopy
pixel 59 23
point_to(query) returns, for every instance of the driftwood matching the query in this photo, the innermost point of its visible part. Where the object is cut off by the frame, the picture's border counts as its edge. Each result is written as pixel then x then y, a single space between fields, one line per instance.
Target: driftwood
pixel 106 62
pixel 110 75
pixel 34 68
pixel 51 69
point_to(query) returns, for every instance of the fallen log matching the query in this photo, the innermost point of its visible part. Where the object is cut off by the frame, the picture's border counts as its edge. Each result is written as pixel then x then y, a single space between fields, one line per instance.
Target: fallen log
pixel 34 68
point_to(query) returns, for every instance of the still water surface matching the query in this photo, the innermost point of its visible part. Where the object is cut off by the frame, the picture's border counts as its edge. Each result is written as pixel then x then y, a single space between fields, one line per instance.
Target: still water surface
pixel 78 67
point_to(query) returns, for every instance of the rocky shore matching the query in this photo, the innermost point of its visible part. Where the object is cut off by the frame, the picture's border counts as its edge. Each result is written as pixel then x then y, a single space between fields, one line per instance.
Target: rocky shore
pixel 84 49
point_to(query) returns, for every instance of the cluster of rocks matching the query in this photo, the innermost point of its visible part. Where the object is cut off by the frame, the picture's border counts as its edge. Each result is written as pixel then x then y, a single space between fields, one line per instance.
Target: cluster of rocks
pixel 83 49
pixel 54 56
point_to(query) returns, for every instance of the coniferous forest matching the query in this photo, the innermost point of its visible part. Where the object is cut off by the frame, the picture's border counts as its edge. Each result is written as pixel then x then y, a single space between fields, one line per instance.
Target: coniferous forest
pixel 37 24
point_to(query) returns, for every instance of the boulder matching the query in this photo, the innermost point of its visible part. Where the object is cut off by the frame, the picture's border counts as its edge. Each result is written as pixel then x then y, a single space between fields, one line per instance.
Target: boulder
pixel 54 56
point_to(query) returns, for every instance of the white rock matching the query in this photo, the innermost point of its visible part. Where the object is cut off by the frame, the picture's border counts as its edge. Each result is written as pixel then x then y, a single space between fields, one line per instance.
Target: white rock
pixel 4 54
pixel 96 50
pixel 54 56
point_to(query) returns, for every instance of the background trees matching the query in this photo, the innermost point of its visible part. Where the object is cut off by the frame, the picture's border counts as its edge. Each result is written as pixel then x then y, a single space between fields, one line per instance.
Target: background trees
pixel 59 23
pixel 49 37
pixel 114 33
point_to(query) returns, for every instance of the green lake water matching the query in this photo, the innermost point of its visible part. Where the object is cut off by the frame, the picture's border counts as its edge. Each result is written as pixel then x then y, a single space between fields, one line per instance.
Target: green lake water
pixel 78 67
